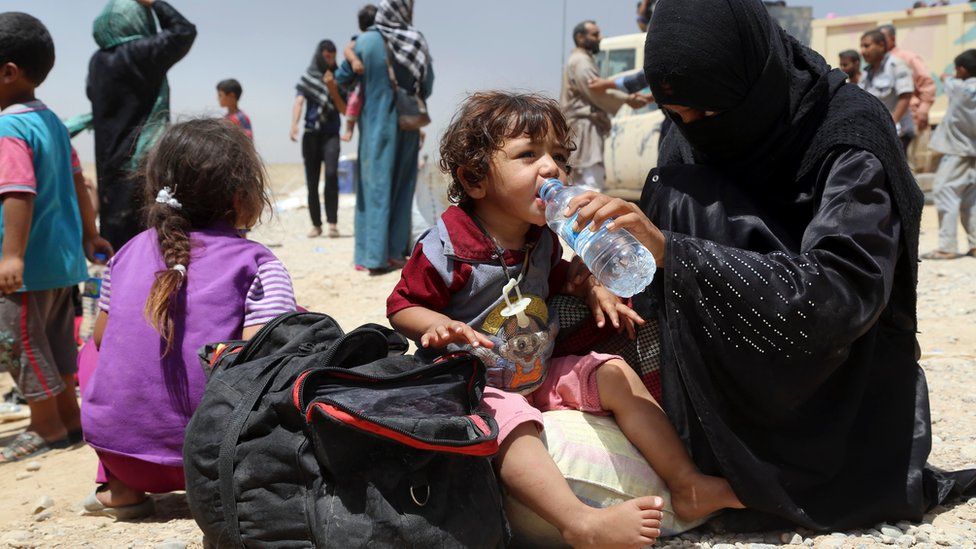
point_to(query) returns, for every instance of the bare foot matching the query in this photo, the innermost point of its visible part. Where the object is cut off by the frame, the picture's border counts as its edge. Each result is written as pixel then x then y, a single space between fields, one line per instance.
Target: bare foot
pixel 346 136
pixel 633 523
pixel 703 496
pixel 117 494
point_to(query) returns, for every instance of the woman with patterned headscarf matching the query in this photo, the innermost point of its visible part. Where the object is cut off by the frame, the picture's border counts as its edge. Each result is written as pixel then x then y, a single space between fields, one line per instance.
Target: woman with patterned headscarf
pixel 387 154
pixel 130 100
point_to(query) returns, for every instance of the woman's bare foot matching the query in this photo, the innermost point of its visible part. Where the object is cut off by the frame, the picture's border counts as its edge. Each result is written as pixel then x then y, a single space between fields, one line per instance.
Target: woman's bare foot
pixel 702 496
pixel 633 523
pixel 117 494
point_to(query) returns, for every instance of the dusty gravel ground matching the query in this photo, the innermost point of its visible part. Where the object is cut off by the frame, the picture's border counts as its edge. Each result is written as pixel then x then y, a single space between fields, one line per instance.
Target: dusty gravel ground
pixel 325 281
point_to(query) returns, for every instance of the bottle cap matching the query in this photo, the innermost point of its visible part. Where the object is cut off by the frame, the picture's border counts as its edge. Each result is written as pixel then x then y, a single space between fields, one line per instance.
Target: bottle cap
pixel 549 188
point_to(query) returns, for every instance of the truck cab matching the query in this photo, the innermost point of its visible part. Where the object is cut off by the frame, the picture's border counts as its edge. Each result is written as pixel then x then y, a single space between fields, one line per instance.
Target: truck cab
pixel 630 151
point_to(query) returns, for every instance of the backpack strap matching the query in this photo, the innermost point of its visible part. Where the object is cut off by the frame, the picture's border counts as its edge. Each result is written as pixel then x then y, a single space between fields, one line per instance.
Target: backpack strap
pixel 228 454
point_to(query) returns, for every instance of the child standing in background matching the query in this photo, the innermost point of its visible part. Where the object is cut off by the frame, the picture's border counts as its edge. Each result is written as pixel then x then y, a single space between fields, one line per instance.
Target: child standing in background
pixel 160 303
pixel 354 105
pixel 228 94
pixel 954 189
pixel 48 225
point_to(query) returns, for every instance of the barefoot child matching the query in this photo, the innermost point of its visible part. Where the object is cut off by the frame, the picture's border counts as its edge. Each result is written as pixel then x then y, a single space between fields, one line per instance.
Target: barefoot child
pixel 190 279
pixel 499 149
pixel 228 94
pixel 354 105
pixel 47 227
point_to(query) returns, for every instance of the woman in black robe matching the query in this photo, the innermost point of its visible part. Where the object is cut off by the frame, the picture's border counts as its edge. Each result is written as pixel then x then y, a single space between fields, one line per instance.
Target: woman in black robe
pixel 785 225
pixel 129 94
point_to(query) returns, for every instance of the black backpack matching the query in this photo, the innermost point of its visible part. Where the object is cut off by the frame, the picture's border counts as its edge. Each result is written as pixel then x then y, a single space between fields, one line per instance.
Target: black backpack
pixel 308 437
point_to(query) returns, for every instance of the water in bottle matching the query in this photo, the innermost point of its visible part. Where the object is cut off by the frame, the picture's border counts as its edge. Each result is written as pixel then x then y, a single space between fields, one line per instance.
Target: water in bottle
pixel 617 259
pixel 89 297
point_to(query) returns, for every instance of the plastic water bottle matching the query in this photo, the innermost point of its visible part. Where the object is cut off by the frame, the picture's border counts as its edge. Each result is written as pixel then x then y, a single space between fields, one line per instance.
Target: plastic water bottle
pixel 617 259
pixel 89 297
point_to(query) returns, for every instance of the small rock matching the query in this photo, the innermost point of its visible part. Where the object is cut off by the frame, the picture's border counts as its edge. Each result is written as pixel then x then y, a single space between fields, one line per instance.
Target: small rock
pixel 723 546
pixel 808 542
pixel 905 541
pixel 43 515
pixel 171 544
pixel 761 546
pixel 887 539
pixel 890 531
pixel 904 525
pixel 831 542
pixel 33 466
pixel 922 537
pixel 18 539
pixel 797 539
pixel 46 502
pixel 22 475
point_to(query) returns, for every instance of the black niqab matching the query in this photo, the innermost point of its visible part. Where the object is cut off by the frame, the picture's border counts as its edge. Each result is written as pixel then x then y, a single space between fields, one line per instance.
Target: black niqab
pixel 730 57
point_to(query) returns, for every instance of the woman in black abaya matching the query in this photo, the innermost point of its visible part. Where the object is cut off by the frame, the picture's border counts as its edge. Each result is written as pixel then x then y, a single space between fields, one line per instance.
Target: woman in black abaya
pixel 785 225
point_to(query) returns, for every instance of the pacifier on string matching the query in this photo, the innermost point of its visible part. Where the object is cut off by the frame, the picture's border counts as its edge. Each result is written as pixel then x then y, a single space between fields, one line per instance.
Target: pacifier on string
pixel 518 308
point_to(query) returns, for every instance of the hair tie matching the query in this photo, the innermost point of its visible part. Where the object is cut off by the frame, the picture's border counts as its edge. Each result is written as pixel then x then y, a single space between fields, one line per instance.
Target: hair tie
pixel 165 196
pixel 180 268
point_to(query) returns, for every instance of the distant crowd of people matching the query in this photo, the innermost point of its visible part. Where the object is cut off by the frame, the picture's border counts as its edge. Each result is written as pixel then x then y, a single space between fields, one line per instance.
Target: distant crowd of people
pixel 901 80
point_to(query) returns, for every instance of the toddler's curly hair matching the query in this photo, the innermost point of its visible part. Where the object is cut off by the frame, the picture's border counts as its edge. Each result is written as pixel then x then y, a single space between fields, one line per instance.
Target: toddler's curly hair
pixel 483 123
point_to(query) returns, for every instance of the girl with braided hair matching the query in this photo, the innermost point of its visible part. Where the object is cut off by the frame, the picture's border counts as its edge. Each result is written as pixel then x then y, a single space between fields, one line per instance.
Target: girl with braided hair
pixel 189 279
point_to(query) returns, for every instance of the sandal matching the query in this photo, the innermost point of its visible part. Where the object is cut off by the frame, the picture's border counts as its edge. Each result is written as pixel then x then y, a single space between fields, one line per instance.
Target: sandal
pixel 333 232
pixel 93 507
pixel 316 231
pixel 29 444
pixel 939 254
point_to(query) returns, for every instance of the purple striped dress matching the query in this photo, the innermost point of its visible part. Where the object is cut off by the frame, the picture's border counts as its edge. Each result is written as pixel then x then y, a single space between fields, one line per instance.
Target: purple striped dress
pixel 137 403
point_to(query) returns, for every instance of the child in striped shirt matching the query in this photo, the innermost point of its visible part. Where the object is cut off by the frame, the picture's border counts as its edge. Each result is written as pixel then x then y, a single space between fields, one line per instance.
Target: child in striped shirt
pixel 190 279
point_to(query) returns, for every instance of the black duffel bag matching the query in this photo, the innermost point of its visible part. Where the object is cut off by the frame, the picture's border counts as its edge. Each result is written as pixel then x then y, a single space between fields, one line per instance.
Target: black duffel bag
pixel 308 437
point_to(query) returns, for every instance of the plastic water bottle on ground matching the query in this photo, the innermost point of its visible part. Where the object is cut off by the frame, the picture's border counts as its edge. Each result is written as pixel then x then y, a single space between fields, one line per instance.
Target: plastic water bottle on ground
pixel 617 259
pixel 89 297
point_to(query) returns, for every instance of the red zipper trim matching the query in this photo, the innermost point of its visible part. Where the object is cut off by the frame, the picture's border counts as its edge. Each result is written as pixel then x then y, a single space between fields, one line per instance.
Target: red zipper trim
pixel 482 449
pixel 297 388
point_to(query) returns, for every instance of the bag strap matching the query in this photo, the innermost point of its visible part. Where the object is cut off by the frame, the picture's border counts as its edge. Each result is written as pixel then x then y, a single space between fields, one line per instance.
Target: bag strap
pixel 393 80
pixel 228 453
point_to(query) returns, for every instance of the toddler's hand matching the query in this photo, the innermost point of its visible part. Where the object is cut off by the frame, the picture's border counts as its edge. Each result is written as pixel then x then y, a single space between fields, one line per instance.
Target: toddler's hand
pixel 605 304
pixel 357 66
pixel 11 274
pixel 440 335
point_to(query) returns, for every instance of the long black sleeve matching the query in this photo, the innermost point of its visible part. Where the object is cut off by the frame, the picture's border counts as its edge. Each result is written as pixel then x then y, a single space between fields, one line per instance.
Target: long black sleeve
pixel 164 49
pixel 774 311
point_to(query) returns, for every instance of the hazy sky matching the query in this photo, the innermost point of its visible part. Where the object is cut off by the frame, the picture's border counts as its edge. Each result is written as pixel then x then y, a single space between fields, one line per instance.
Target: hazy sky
pixel 475 44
